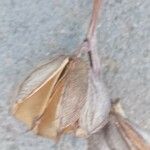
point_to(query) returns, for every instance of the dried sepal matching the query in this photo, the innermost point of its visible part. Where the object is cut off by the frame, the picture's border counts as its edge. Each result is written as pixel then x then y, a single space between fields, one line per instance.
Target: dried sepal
pixel 95 112
pixel 34 93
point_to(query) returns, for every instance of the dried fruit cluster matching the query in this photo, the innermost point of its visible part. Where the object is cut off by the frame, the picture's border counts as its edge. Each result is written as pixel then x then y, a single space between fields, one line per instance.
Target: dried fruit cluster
pixel 67 95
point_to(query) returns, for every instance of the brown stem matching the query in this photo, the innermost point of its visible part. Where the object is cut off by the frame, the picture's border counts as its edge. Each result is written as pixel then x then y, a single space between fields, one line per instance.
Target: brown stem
pixel 91 39
pixel 95 13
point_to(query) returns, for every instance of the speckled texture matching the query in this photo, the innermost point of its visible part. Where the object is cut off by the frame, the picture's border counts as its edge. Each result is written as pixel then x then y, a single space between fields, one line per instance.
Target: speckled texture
pixel 31 31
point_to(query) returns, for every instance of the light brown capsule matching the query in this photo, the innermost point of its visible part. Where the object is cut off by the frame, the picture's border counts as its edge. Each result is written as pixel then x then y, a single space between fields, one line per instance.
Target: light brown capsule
pixel 55 103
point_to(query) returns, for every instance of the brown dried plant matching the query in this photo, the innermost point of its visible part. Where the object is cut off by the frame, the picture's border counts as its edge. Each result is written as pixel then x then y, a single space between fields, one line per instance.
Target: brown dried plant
pixel 67 95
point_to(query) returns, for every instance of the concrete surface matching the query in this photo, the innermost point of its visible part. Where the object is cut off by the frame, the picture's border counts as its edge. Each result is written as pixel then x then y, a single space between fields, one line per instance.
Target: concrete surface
pixel 31 31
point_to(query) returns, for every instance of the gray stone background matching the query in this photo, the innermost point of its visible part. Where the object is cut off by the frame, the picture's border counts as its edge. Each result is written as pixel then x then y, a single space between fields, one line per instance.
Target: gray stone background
pixel 33 30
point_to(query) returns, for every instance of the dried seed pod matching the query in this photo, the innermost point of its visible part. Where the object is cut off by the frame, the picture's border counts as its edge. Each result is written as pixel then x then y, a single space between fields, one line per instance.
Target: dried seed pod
pixel 95 112
pixel 53 105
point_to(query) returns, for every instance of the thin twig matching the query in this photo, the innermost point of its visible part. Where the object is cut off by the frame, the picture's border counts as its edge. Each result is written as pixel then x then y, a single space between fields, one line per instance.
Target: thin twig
pixel 93 23
pixel 92 39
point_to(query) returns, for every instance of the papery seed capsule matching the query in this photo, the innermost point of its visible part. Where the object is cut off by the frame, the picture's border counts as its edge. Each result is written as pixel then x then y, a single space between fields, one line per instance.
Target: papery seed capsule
pixel 54 103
